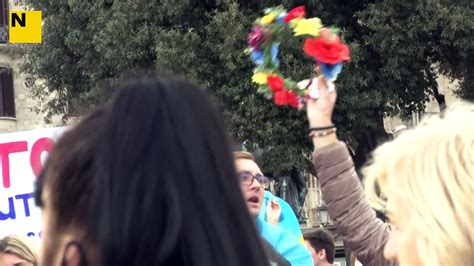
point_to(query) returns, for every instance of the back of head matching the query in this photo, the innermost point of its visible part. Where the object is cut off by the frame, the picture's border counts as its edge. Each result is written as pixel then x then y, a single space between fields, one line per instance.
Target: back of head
pixel 20 247
pixel 165 191
pixel 321 239
pixel 429 172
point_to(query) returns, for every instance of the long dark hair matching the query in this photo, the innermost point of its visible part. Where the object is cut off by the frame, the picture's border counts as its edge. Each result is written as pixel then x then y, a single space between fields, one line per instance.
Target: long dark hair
pixel 165 191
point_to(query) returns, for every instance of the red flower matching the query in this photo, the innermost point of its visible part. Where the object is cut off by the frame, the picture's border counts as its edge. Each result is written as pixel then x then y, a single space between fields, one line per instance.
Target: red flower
pixel 285 97
pixel 275 83
pixel 281 98
pixel 327 51
pixel 297 12
pixel 293 101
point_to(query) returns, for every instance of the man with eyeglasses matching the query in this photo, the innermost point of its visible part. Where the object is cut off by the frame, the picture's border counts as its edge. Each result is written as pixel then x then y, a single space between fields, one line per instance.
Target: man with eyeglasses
pixel 253 184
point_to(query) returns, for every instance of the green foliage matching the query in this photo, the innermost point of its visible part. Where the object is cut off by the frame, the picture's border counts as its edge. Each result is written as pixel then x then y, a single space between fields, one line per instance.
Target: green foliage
pixel 398 48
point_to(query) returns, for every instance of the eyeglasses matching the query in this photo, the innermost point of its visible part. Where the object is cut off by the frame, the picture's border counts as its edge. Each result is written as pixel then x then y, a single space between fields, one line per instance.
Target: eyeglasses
pixel 247 178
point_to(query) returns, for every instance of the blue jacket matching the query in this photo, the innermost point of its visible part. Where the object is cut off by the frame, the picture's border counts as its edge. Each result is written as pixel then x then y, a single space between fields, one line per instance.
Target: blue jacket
pixel 288 220
pixel 285 244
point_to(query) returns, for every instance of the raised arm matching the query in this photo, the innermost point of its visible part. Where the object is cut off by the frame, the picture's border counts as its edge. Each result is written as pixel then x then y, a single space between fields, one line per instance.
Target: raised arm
pixel 342 192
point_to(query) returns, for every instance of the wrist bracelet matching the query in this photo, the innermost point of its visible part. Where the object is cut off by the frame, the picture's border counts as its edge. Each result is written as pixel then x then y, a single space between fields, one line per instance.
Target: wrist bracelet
pixel 321 128
pixel 316 134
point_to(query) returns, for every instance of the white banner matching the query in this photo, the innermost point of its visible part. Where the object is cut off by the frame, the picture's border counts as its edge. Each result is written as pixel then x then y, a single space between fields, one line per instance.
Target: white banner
pixel 22 155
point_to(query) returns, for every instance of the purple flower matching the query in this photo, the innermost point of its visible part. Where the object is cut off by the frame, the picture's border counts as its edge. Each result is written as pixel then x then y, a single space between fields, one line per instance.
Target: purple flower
pixel 256 37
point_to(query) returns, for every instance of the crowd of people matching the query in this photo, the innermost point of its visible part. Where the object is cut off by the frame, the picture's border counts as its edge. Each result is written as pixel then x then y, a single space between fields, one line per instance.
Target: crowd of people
pixel 150 179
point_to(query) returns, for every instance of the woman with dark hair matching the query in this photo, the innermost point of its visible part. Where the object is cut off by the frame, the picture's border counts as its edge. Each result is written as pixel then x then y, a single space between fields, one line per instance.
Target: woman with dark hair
pixel 147 180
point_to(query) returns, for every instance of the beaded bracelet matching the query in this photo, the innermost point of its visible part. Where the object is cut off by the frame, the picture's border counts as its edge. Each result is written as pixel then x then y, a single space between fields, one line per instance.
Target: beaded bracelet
pixel 316 134
pixel 321 128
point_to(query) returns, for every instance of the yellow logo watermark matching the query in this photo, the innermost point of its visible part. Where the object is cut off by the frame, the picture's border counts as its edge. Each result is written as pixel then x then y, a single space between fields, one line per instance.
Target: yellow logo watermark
pixel 25 26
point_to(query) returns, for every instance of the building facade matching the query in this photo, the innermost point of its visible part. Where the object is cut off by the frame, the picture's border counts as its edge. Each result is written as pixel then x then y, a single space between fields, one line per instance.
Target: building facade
pixel 16 102
pixel 445 87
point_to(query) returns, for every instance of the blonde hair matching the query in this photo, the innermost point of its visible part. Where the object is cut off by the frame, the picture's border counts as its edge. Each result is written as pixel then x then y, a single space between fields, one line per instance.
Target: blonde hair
pixel 243 155
pixel 429 171
pixel 19 246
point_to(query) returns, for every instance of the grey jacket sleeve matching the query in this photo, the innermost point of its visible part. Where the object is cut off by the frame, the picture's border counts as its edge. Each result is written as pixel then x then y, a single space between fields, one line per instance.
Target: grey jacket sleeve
pixel 364 234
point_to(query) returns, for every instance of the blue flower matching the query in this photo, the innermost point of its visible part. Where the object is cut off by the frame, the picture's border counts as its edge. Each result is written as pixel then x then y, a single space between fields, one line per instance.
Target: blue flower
pixel 330 71
pixel 281 18
pixel 257 56
pixel 275 60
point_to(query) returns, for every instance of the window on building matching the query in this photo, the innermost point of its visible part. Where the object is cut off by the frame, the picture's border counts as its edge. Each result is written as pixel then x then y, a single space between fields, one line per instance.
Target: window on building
pixel 3 21
pixel 7 99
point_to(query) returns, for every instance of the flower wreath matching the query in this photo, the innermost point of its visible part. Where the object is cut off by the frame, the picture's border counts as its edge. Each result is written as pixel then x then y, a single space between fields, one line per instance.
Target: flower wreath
pixel 323 44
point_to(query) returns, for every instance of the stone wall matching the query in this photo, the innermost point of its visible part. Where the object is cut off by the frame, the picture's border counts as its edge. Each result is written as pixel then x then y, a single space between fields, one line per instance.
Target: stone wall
pixel 26 118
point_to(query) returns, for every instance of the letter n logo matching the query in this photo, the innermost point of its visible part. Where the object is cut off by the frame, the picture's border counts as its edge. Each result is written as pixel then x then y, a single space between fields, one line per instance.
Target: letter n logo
pixel 25 26
pixel 17 19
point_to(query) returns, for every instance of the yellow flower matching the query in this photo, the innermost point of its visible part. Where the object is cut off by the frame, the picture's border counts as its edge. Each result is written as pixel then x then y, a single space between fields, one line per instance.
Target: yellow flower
pixel 308 27
pixel 259 78
pixel 268 18
pixel 294 22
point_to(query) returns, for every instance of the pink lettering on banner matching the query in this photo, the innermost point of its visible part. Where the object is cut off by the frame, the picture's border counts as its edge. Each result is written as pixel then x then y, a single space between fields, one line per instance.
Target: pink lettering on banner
pixel 5 150
pixel 41 145
pixel 22 157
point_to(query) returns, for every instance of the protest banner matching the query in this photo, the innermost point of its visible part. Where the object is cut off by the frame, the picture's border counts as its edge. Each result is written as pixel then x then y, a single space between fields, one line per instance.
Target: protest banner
pixel 22 155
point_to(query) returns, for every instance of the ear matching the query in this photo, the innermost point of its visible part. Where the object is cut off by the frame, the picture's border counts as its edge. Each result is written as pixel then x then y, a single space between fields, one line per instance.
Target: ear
pixel 72 255
pixel 322 254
